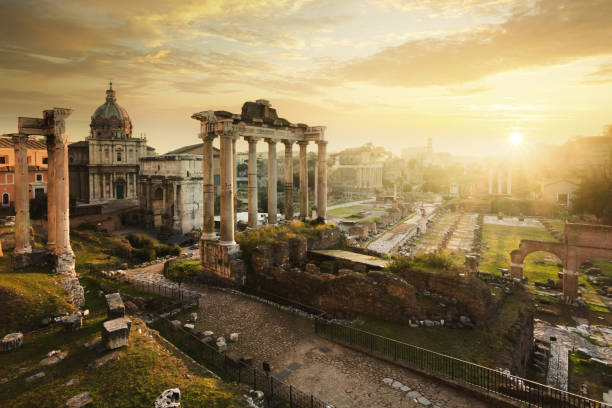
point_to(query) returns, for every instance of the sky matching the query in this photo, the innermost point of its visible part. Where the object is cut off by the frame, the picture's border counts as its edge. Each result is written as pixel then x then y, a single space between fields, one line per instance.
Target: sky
pixel 473 75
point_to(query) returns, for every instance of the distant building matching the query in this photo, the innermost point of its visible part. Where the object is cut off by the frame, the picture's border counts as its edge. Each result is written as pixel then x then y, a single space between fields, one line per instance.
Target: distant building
pixel 559 191
pixel 196 149
pixel 358 168
pixel 104 167
pixel 170 191
pixel 37 167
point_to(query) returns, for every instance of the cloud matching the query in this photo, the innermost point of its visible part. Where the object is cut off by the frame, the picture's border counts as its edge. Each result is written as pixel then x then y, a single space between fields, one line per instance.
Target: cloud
pixel 550 33
pixel 448 8
pixel 602 75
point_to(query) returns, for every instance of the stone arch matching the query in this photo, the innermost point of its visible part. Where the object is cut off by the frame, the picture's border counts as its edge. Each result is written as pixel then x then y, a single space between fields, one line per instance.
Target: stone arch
pixel 6 199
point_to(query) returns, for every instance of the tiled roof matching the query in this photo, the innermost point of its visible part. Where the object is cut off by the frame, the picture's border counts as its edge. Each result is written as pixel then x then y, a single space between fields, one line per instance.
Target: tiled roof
pixel 33 144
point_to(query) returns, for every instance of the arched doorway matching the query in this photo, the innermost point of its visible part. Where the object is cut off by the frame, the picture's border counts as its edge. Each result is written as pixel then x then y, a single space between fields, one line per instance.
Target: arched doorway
pixel 6 199
pixel 543 269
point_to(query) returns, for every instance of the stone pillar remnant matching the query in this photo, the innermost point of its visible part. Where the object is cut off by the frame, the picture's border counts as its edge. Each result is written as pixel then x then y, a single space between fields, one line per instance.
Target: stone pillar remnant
pixel 51 195
pixel 288 179
pixel 227 193
pixel 322 179
pixel 303 179
pixel 253 204
pixel 272 180
pixel 22 201
pixel 208 189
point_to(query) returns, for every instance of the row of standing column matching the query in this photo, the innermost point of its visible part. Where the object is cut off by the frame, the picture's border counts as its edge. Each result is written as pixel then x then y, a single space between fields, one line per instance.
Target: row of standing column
pixel 228 183
pixel 58 231
pixel 500 189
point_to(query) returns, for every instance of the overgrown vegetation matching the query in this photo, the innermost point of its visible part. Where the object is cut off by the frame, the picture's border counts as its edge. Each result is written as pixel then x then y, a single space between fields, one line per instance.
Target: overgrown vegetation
pixel 145 368
pixel 183 271
pixel 145 249
pixel 584 370
pixel 268 234
pixel 429 261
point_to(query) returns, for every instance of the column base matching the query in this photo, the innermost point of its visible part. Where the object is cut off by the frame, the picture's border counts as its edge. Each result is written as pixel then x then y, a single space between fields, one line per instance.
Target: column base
pixel 221 261
pixel 24 258
pixel 64 262
pixel 208 236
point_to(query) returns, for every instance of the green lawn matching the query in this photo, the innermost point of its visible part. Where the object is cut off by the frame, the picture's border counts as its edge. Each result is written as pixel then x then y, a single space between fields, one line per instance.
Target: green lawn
pixel 352 212
pixel 501 240
pixel 144 370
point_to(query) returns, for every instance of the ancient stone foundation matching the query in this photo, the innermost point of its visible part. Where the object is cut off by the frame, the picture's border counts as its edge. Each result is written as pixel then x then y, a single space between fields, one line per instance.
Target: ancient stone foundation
pixel 116 333
pixel 222 261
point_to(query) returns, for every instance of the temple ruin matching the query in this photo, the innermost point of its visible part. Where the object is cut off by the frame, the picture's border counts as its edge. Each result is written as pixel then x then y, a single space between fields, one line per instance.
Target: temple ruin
pixel 258 120
pixel 580 243
pixel 53 127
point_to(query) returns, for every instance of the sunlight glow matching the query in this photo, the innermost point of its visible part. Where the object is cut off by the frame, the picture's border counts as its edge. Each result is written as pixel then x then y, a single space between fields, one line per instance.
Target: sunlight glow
pixel 516 138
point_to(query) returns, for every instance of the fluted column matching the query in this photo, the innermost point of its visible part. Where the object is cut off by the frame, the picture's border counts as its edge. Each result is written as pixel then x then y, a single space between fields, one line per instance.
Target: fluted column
pixel 490 181
pixel 253 205
pixel 499 182
pixel 227 193
pixel 322 179
pixel 234 181
pixel 22 202
pixel 208 189
pixel 272 179
pixel 303 179
pixel 51 195
pixel 288 179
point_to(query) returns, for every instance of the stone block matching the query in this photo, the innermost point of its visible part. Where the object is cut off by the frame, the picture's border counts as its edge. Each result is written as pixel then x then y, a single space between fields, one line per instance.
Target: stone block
pixel 72 322
pixel 79 400
pixel 116 333
pixel 35 377
pixel 169 399
pixel 11 342
pixel 114 306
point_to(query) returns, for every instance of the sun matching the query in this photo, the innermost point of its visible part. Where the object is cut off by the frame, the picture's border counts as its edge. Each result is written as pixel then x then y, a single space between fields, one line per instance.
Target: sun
pixel 516 138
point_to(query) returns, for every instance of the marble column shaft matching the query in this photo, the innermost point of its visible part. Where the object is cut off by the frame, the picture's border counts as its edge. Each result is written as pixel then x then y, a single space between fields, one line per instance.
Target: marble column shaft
pixel 288 179
pixel 227 194
pixel 322 179
pixel 62 191
pixel 303 179
pixel 509 183
pixel 272 180
pixel 51 195
pixel 253 199
pixel 208 189
pixel 22 201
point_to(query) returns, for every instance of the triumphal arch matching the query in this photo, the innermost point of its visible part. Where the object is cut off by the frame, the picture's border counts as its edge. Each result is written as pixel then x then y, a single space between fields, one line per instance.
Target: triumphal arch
pixel 257 121
pixel 581 242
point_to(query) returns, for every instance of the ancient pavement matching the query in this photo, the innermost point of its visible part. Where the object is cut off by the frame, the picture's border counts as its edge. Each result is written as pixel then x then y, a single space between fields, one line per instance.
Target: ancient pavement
pixel 334 373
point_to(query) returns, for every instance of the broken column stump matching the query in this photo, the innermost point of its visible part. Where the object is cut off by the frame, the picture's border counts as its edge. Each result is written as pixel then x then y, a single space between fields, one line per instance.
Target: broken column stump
pixel 114 306
pixel 116 333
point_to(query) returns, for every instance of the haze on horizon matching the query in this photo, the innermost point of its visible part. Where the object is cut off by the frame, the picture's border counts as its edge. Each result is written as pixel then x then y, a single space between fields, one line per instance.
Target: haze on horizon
pixel 473 75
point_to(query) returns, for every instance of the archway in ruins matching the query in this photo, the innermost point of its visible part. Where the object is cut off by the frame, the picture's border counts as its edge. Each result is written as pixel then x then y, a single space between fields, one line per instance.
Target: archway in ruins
pixel 540 266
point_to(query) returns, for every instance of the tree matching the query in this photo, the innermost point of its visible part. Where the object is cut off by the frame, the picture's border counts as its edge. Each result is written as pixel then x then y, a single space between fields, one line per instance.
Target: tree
pixel 594 194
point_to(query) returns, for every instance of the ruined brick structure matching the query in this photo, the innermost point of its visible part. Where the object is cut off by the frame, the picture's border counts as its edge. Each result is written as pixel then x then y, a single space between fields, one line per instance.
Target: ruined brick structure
pixel 580 243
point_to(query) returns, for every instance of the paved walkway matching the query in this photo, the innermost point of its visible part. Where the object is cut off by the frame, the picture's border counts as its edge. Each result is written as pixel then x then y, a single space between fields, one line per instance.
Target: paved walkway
pixel 334 373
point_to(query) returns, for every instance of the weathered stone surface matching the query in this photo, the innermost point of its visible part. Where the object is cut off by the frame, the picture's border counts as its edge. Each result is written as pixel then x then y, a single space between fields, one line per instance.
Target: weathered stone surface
pixel 35 377
pixel 53 357
pixel 72 322
pixel 79 400
pixel 170 398
pixel 114 306
pixel 11 342
pixel 116 333
pixel 115 355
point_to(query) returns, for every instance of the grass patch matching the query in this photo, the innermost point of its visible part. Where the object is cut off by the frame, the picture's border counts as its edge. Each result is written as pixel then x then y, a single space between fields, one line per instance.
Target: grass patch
pixel 357 212
pixel 144 370
pixel 183 271
pixel 583 370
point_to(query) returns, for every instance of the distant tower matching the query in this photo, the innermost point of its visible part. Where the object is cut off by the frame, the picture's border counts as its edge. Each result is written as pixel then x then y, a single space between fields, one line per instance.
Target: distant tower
pixel 429 146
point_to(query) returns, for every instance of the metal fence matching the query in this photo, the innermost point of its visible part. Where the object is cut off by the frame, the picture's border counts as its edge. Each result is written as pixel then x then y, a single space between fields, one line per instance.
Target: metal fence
pixel 485 379
pixel 277 392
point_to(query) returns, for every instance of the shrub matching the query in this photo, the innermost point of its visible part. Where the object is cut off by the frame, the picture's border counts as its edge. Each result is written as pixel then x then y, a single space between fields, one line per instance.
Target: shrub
pixel 120 247
pixel 183 271
pixel 140 241
pixel 436 260
pixel 144 254
pixel 165 249
pixel 399 264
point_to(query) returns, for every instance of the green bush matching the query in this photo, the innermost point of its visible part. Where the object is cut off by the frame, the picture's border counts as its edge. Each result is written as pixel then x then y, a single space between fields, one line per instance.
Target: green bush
pixel 432 260
pixel 165 249
pixel 436 260
pixel 140 241
pixel 120 247
pixel 183 271
pixel 144 254
pixel 399 264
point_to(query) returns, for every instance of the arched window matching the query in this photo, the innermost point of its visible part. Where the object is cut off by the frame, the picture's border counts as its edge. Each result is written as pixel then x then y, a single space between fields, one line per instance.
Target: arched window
pixel 119 155
pixel 6 199
pixel 187 173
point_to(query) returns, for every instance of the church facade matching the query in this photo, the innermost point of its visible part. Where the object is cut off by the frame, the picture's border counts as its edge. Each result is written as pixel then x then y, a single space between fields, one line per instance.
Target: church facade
pixel 105 167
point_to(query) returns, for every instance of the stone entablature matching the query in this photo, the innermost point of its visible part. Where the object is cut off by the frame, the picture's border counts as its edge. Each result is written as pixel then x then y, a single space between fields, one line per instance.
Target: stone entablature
pixel 257 122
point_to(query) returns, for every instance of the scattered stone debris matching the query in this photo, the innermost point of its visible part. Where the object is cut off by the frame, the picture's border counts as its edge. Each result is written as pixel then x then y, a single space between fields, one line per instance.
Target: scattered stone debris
pixel 35 377
pixel 53 357
pixel 170 398
pixel 410 393
pixel 255 399
pixel 116 355
pixel 233 337
pixel 79 400
pixel 73 381
pixel 72 322
pixel 11 342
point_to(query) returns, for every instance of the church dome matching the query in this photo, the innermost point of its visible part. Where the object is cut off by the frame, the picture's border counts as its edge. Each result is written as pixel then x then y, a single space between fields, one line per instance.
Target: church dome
pixel 111 121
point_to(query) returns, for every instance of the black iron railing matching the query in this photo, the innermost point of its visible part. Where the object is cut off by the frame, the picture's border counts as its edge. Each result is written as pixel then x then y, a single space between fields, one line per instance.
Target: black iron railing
pixel 275 390
pixel 485 379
